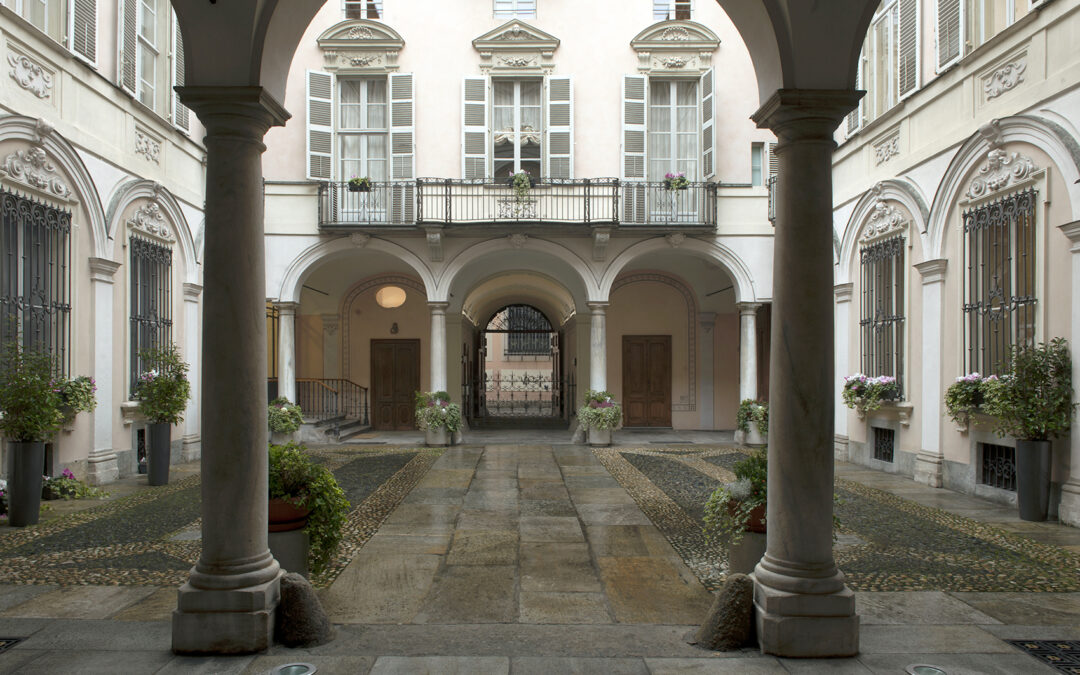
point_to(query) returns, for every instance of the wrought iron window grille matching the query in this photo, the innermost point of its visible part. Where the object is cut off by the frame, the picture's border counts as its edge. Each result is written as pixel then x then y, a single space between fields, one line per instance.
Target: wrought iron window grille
pixel 997 466
pixel 881 327
pixel 884 444
pixel 151 301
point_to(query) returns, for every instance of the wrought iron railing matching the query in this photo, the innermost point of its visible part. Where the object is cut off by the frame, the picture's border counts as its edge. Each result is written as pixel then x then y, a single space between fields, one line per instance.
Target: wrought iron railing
pixel 586 201
pixel 772 199
pixel 521 394
pixel 329 398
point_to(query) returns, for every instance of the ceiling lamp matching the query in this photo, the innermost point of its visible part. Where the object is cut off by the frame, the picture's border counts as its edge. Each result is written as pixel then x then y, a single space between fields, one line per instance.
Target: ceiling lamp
pixel 390 297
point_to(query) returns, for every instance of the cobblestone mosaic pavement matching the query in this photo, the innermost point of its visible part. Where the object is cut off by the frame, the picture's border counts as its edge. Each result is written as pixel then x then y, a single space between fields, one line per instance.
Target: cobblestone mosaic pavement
pixel 884 543
pixel 152 537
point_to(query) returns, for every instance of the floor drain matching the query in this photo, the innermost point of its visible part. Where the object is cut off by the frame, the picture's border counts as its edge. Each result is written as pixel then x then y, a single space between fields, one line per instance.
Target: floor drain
pixel 1064 655
pixel 924 669
pixel 294 669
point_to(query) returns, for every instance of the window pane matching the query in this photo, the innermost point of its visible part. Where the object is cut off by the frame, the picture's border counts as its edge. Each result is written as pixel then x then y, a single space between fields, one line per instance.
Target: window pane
pixel 147 80
pixel 530 119
pixel 686 92
pixel 530 93
pixel 503 92
pixel 755 163
pixel 376 91
pixel 148 22
pixel 376 118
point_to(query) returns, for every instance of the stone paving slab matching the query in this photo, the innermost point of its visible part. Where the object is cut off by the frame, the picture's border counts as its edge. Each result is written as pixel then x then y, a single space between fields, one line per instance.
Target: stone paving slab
pixel 481 547
pixel 563 608
pixel 11 594
pixel 381 588
pixel 884 639
pixel 80 602
pixel 465 594
pixel 1059 609
pixel 79 635
pixel 564 529
pixel 651 590
pixel 94 662
pixel 158 606
pixel 920 607
pixel 350 665
pixel 210 665
pixel 742 665
pixel 538 665
pixel 441 665
pixel 954 664
pixel 557 567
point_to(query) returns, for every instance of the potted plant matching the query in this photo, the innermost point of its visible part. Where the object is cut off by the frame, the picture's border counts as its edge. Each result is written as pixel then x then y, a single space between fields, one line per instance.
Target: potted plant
pixel 303 493
pixel 437 417
pixel 30 403
pixel 284 419
pixel 752 419
pixel 162 393
pixel 599 416
pixel 67 486
pixel 1033 403
pixel 360 184
pixel 865 394
pixel 676 181
pixel 737 508
pixel 966 395
pixel 521 181
pixel 77 396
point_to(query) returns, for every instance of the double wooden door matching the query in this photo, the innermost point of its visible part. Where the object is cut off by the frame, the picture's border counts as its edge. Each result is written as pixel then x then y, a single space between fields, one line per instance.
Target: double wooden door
pixel 646 380
pixel 395 379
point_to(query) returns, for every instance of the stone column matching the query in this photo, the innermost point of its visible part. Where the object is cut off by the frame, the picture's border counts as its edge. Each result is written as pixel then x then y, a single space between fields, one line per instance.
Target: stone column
pixel 438 345
pixel 101 465
pixel 802 606
pixel 228 602
pixel 842 295
pixel 748 350
pixel 707 320
pixel 929 460
pixel 1069 509
pixel 598 346
pixel 331 346
pixel 287 349
pixel 192 447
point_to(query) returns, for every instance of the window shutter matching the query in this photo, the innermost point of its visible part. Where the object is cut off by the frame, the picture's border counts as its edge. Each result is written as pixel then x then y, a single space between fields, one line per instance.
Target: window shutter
pixel 948 32
pixel 402 148
pixel 83 29
pixel 633 147
pixel 127 75
pixel 474 128
pixel 774 161
pixel 320 125
pixel 560 134
pixel 908 73
pixel 180 111
pixel 854 118
pixel 708 143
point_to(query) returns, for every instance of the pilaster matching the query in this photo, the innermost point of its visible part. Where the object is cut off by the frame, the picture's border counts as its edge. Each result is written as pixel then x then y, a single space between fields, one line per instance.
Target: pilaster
pixel 101 464
pixel 287 349
pixel 842 297
pixel 707 321
pixel 748 350
pixel 438 345
pixel 1069 508
pixel 929 462
pixel 192 445
pixel 598 346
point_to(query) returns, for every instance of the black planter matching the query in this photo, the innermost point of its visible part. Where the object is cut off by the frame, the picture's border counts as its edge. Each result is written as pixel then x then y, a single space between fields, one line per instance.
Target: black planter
pixel 24 490
pixel 359 188
pixel 1033 479
pixel 159 454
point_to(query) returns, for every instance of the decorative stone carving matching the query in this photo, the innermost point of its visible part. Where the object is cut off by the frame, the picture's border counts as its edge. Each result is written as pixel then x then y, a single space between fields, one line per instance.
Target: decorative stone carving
pixel 675 33
pixel 359 43
pixel 600 242
pixel 1001 170
pixel 887 149
pixel 515 33
pixel 30 76
pixel 365 60
pixel 361 33
pixel 991 133
pixel 675 239
pixel 435 244
pixel 33 169
pixel 331 323
pixel 359 239
pixel 518 240
pixel 517 61
pixel 515 46
pixel 885 219
pixel 150 221
pixel 1005 78
pixel 674 62
pixel 147 147
pixel 675 45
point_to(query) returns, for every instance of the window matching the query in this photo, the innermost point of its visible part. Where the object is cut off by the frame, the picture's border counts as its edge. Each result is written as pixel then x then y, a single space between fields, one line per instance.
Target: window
pixel 881 326
pixel 362 128
pixel 673 128
pixel 363 9
pixel 147 54
pixel 147 32
pixel 757 152
pixel 517 126
pixel 529 332
pixel 151 300
pixel 511 8
pixel 82 19
pixel 997 466
pixel 665 10
pixel 964 25
pixel 999 283
pixel 889 62
pixel 34 11
pixel 35 276
pixel 884 444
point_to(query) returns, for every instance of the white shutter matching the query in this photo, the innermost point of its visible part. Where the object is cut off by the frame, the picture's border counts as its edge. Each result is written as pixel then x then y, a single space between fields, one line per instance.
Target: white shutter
pixel 474 127
pixel 774 161
pixel 320 125
pixel 948 32
pixel 908 66
pixel 560 133
pixel 180 111
pixel 127 74
pixel 634 134
pixel 402 148
pixel 82 27
pixel 708 142
pixel 854 118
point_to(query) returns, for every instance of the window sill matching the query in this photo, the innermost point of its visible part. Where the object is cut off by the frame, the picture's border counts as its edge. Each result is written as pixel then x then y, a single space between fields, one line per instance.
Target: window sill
pixel 900 409
pixel 129 413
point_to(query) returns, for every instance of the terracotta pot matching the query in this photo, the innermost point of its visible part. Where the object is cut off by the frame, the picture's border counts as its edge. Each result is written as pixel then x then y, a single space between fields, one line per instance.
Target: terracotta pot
pixel 284 517
pixel 757 516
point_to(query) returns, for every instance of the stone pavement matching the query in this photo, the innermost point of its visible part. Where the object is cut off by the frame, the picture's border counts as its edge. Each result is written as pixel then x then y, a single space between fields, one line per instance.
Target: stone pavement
pixel 525 555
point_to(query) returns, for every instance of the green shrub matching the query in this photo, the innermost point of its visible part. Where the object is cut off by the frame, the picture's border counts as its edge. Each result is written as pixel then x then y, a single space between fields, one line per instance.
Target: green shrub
pixel 434 410
pixel 163 391
pixel 30 397
pixel 600 411
pixel 284 416
pixel 1033 401
pixel 67 486
pixel 747 492
pixel 306 485
pixel 753 411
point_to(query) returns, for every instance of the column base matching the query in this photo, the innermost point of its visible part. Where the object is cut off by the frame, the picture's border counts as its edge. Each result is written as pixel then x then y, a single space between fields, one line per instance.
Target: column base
pixel 802 625
pixel 234 621
pixel 102 468
pixel 191 450
pixel 1069 508
pixel 928 469
pixel 840 447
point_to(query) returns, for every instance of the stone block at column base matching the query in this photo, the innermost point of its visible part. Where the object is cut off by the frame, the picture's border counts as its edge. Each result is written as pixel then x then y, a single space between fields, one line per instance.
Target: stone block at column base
pixel 803 625
pixel 235 621
pixel 840 447
pixel 928 469
pixel 1069 508
pixel 191 450
pixel 102 468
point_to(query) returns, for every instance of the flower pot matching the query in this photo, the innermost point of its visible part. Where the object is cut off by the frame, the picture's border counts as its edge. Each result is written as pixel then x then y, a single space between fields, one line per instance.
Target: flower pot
pixel 359 188
pixel 282 437
pixel 158 455
pixel 755 437
pixel 436 436
pixel 283 516
pixel 24 490
pixel 599 437
pixel 1033 479
pixel 757 521
pixel 744 555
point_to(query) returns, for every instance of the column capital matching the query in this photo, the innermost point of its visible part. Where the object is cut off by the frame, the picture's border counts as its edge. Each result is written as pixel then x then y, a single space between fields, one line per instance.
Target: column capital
pixel 842 292
pixel 438 307
pixel 103 269
pixel 597 307
pixel 245 113
pixel 1072 231
pixel 805 114
pixel 932 271
pixel 748 308
pixel 192 291
pixel 287 307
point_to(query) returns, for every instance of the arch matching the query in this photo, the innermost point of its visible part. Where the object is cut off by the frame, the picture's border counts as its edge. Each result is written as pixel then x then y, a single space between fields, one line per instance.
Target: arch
pixel 41 134
pixel 899 190
pixel 547 294
pixel 512 243
pixel 301 266
pixel 354 292
pixel 1048 136
pixel 127 193
pixel 716 251
pixel 684 289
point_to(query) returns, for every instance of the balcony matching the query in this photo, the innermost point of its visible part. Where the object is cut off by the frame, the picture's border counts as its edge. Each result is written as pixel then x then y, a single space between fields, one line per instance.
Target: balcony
pixel 576 203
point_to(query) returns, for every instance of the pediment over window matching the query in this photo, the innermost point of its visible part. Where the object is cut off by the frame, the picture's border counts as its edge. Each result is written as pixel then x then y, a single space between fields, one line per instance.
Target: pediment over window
pixel 518 48
pixel 888 219
pixel 675 47
pixel 360 46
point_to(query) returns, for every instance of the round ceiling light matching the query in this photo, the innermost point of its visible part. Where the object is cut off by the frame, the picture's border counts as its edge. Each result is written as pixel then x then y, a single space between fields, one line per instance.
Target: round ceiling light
pixel 390 297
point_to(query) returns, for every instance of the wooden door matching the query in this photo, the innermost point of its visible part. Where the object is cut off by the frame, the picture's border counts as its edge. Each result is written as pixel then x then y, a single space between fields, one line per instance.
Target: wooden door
pixel 647 380
pixel 395 379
